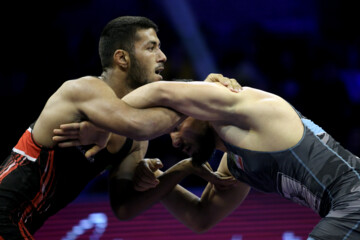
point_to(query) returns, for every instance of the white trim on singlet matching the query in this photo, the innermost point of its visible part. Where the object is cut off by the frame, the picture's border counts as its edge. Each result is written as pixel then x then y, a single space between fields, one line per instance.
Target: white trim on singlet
pixel 24 154
pixel 30 158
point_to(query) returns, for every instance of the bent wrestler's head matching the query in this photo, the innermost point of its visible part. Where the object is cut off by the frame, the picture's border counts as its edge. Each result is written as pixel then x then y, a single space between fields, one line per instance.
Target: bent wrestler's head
pixel 195 138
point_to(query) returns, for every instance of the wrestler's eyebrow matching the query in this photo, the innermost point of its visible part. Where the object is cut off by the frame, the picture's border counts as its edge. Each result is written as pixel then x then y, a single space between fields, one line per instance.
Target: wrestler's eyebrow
pixel 153 43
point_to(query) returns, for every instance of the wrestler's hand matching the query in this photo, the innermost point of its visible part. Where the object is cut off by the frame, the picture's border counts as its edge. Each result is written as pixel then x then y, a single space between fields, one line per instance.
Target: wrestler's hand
pixel 220 181
pixel 146 172
pixel 226 182
pixel 205 171
pixel 230 83
pixel 83 133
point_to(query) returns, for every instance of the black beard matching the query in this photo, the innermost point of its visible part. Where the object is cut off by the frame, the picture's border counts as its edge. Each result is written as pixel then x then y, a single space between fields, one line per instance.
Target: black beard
pixel 136 75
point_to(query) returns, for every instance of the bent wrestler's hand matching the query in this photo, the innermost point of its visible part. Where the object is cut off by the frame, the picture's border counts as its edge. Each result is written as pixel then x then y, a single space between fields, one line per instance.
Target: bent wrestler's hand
pixel 220 181
pixel 146 172
pixel 230 83
pixel 83 133
pixel 205 171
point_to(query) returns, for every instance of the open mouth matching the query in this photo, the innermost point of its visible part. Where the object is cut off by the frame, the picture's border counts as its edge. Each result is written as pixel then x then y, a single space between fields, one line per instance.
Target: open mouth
pixel 158 71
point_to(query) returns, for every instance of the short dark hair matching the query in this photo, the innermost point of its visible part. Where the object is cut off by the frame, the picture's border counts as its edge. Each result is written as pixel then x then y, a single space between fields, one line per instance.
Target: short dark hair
pixel 120 33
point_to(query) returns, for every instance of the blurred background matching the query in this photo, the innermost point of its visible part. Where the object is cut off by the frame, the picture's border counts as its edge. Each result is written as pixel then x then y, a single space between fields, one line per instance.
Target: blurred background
pixel 306 51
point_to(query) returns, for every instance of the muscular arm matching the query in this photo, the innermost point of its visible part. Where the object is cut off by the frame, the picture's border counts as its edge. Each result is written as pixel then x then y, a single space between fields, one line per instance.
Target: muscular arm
pixel 200 214
pixel 201 100
pixel 102 107
pixel 126 202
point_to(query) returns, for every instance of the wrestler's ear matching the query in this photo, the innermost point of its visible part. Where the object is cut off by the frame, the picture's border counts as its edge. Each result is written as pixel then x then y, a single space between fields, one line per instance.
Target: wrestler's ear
pixel 122 58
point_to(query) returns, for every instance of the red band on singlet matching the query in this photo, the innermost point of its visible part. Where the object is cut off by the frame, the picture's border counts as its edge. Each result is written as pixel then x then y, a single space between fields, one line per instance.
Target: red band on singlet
pixel 27 147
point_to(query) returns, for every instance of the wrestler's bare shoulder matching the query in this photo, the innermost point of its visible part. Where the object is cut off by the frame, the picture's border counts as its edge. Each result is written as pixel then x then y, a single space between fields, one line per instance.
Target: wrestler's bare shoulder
pixel 84 82
pixel 63 106
pixel 82 86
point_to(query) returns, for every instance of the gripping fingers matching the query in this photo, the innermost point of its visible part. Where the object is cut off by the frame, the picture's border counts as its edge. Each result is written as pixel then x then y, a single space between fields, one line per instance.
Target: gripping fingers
pixel 214 77
pixel 140 185
pixel 61 132
pixel 224 182
pixel 155 164
pixel 144 177
pixel 69 144
pixel 57 138
pixel 92 151
pixel 65 139
pixel 230 83
pixel 143 184
pixel 235 86
pixel 70 126
pixel 66 132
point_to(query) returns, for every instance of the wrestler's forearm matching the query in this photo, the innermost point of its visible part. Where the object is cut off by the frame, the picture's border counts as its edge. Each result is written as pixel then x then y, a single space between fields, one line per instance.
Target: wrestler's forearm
pixel 201 100
pixel 202 213
pixel 143 124
pixel 186 207
pixel 128 203
pixel 166 119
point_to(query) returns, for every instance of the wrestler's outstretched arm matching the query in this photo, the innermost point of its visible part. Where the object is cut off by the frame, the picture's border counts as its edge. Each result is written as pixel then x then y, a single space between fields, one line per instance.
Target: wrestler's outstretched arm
pixel 208 101
pixel 103 108
pixel 202 213
pixel 130 116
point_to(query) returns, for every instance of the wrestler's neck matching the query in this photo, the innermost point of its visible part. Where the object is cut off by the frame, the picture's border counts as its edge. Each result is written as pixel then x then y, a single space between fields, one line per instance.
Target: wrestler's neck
pixel 117 81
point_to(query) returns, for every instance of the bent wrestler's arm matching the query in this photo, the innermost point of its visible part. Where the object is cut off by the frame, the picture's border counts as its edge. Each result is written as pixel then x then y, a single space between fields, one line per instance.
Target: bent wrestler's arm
pixel 198 214
pixel 127 202
pixel 103 108
pixel 201 214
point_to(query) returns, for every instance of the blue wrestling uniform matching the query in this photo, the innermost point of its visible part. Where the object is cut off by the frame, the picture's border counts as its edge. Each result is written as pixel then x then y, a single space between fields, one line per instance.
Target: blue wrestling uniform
pixel 47 179
pixel 317 172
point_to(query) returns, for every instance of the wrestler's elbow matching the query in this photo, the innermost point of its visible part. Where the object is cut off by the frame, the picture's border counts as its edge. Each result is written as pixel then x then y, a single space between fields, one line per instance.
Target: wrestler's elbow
pixel 201 227
pixel 123 212
pixel 199 223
